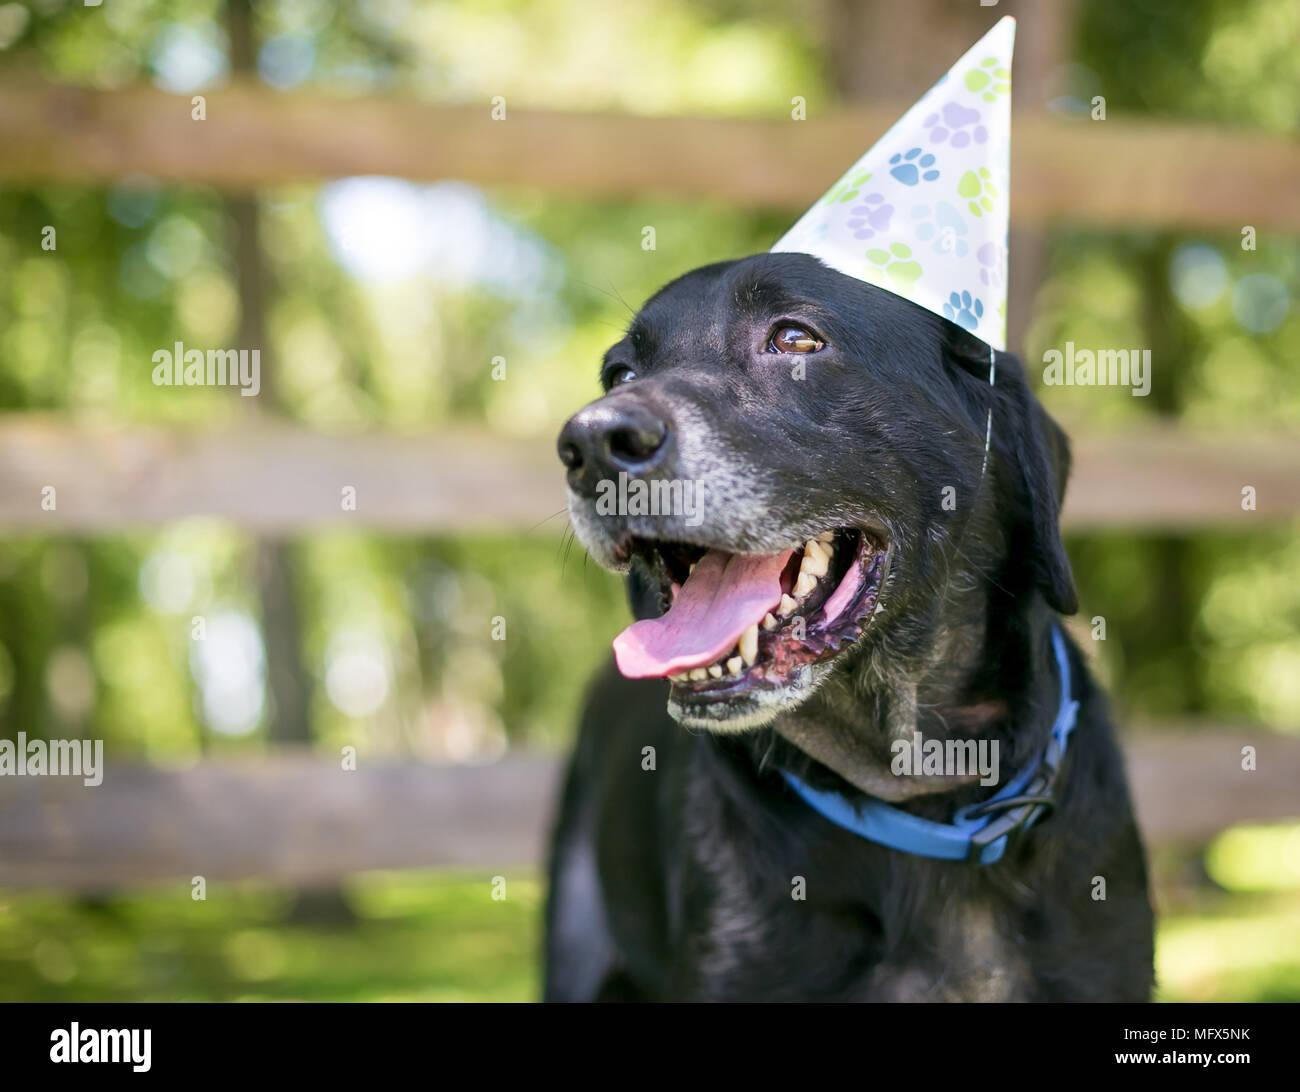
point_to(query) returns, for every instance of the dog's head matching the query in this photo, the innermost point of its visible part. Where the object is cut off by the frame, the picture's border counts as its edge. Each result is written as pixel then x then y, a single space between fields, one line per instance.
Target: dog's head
pixel 791 465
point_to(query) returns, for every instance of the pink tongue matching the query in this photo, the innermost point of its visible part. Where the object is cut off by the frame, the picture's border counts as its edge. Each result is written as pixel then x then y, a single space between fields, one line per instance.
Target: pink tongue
pixel 723 597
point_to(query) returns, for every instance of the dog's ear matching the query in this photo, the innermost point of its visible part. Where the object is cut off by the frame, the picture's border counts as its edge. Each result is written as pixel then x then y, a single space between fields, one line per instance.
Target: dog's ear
pixel 1038 457
pixel 1035 453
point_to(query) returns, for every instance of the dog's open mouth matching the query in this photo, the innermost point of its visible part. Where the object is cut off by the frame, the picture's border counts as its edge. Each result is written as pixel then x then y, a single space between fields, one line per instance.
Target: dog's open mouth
pixel 734 621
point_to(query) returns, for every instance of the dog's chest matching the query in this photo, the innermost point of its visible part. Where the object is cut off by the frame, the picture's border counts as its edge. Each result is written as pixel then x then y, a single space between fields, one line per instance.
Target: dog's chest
pixel 970 960
pixel 760 922
pixel 754 948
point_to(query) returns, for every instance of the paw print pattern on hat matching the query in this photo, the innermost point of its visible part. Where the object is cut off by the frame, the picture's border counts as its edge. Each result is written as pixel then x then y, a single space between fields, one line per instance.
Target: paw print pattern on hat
pixel 911 167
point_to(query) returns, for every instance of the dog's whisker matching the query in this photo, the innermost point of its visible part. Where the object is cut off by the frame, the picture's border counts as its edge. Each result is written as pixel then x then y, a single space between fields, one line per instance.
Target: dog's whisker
pixel 611 293
pixel 563 511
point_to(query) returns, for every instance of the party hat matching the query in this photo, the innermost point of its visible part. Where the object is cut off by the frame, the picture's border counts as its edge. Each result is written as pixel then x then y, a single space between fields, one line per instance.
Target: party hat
pixel 924 212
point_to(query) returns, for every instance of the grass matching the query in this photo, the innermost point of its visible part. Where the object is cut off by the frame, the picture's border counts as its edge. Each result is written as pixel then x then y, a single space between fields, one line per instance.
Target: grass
pixel 1225 947
pixel 437 936
pixel 414 937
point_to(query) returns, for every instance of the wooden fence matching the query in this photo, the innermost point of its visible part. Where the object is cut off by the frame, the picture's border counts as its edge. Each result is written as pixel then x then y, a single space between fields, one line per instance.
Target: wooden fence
pixel 300 819
pixel 1110 172
pixel 281 479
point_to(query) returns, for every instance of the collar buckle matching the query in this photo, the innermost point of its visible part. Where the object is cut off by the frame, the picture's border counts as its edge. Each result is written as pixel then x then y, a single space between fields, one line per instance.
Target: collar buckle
pixel 1020 810
pixel 1016 813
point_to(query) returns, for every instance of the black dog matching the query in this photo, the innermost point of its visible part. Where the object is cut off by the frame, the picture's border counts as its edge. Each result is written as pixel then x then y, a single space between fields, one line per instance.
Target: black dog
pixel 807 405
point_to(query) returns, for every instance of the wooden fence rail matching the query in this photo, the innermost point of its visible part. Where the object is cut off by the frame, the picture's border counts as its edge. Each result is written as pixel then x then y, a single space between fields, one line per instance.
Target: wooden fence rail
pixel 283 479
pixel 300 819
pixel 1111 172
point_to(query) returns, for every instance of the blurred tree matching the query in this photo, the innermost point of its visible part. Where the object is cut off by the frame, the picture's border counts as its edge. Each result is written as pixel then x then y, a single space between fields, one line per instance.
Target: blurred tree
pixel 287 681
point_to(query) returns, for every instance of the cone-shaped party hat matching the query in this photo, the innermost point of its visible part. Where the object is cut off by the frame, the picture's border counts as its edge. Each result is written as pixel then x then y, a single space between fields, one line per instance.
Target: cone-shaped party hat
pixel 924 212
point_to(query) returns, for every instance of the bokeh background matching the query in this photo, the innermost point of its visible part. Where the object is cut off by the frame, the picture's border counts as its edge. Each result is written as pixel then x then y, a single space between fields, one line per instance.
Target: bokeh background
pixel 380 304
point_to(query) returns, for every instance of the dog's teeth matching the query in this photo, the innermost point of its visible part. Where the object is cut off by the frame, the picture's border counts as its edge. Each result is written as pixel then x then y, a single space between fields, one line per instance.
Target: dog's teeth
pixel 698 674
pixel 804 584
pixel 770 621
pixel 787 606
pixel 749 645
pixel 814 563
pixel 826 536
pixel 681 676
pixel 813 548
pixel 735 664
pixel 715 671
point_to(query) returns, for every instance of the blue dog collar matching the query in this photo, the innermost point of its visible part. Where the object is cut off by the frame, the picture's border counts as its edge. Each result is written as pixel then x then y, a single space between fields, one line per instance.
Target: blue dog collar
pixel 978 832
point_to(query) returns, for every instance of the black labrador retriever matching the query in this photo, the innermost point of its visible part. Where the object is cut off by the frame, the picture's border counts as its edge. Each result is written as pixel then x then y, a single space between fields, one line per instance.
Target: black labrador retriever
pixel 840 529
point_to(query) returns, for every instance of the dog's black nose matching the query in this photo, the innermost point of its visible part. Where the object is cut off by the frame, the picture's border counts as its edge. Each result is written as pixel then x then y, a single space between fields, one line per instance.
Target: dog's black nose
pixel 610 436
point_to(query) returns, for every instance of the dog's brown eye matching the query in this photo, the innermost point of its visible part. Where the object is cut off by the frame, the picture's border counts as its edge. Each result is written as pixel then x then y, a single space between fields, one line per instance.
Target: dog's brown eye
pixel 619 374
pixel 793 339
